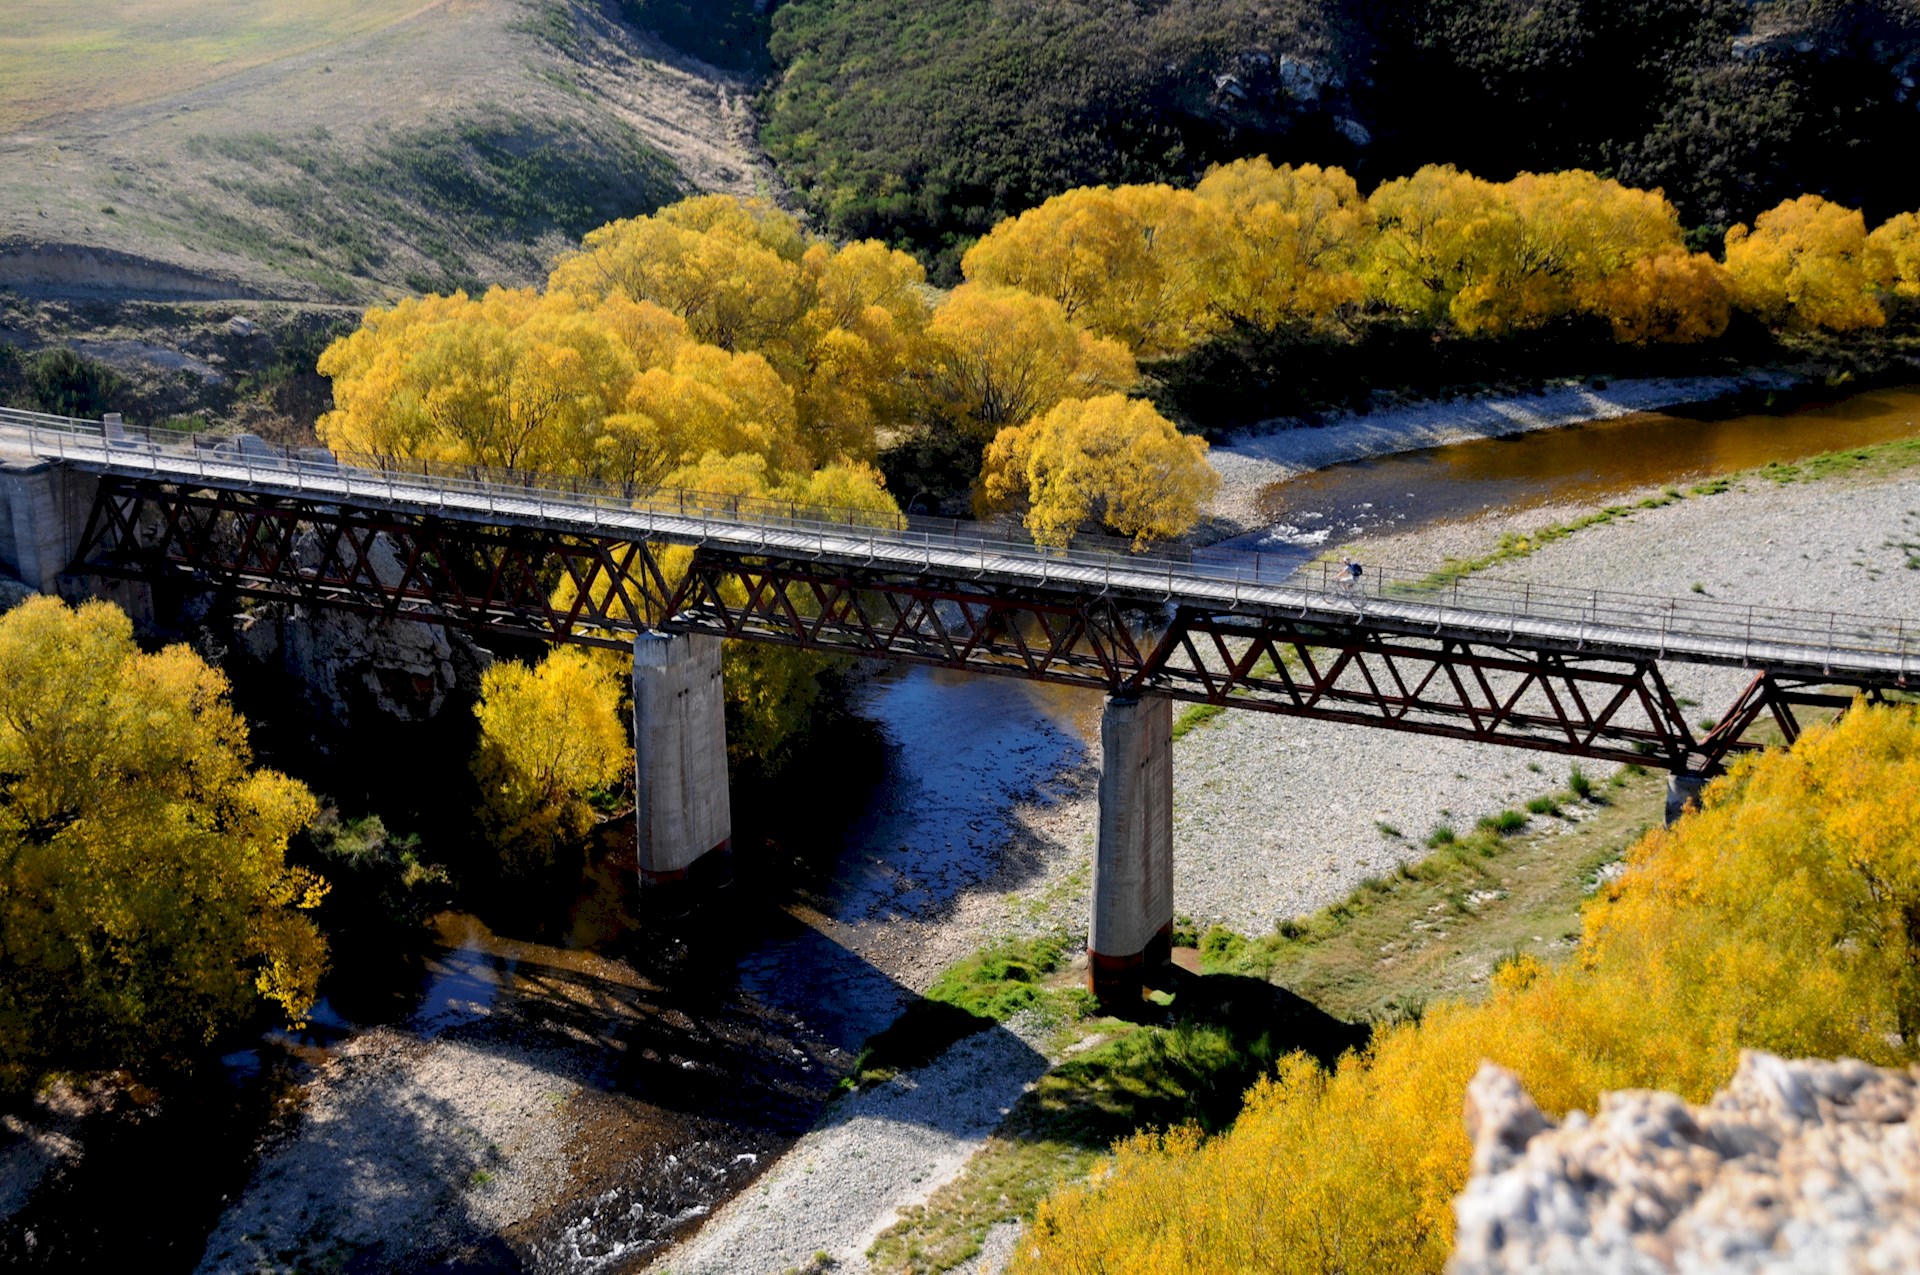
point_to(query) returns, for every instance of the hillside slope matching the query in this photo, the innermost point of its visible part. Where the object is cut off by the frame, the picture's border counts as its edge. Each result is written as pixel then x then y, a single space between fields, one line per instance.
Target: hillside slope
pixel 381 148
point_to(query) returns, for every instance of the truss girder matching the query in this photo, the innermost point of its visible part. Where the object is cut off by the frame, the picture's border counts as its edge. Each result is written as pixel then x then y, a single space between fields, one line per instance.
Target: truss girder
pixel 600 590
pixel 588 590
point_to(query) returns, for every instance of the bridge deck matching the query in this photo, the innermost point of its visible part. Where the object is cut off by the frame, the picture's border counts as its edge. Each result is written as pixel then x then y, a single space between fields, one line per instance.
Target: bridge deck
pixel 1866 649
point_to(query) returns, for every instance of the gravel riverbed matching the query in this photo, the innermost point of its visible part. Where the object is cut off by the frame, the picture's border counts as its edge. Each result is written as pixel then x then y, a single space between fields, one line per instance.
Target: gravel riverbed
pixel 1276 816
pixel 876 1152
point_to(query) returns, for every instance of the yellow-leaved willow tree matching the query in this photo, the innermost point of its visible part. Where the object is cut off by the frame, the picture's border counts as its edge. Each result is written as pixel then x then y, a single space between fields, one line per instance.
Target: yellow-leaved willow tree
pixel 999 356
pixel 551 735
pixel 1808 263
pixel 1112 461
pixel 1782 916
pixel 1133 263
pixel 145 901
pixel 841 326
pixel 713 346
pixel 1492 258
pixel 1293 243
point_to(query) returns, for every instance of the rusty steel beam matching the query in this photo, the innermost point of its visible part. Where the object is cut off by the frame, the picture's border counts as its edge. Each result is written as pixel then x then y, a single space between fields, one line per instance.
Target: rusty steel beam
pixel 594 591
pixel 599 591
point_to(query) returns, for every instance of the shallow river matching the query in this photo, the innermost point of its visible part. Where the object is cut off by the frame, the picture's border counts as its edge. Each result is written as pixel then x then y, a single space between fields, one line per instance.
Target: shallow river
pixel 1581 463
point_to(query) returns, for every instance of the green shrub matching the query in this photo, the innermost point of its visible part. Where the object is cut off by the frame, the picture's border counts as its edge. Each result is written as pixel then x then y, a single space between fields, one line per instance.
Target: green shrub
pixel 67 383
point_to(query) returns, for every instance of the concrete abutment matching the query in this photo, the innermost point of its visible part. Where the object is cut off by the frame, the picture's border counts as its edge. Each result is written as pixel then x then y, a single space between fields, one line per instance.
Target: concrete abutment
pixel 44 508
pixel 684 819
pixel 1131 938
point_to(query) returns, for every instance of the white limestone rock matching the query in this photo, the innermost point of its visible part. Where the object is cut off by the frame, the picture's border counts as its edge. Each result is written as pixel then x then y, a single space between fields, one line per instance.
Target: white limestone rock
pixel 1804 1166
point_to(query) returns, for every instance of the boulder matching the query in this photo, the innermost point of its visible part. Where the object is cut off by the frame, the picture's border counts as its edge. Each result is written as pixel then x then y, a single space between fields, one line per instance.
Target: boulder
pixel 1804 1166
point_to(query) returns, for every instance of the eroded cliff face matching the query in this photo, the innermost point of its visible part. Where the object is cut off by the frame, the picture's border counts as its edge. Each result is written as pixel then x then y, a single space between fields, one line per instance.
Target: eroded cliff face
pixel 1795 1166
pixel 357 667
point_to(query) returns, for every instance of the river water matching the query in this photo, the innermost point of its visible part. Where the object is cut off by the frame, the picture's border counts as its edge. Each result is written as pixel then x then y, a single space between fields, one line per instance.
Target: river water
pixel 1578 464
pixel 701 1050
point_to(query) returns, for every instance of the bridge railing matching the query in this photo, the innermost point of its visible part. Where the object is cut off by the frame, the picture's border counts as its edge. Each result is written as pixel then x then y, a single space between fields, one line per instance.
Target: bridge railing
pixel 1660 620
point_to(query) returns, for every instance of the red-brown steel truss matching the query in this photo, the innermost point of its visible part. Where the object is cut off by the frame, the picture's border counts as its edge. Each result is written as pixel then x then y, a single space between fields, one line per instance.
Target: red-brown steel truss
pixel 598 591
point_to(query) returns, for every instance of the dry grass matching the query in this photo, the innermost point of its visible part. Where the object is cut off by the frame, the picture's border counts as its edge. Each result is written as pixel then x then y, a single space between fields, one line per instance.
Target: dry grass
pixel 58 56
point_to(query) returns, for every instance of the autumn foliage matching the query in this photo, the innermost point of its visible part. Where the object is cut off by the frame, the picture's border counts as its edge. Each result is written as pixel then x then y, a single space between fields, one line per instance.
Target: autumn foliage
pixel 1780 917
pixel 550 736
pixel 1112 461
pixel 718 336
pixel 145 901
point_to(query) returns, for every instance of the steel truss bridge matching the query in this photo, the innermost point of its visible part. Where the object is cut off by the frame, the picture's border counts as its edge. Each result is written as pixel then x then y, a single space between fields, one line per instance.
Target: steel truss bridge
pixel 1576 672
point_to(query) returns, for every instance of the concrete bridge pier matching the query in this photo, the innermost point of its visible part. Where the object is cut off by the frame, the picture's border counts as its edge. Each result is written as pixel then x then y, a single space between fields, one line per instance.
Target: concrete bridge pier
pixel 1132 932
pixel 1683 790
pixel 684 819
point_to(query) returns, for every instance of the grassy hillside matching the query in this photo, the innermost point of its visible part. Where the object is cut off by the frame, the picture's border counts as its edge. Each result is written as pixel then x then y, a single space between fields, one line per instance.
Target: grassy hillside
pixel 58 57
pixel 170 165
pixel 348 152
pixel 923 124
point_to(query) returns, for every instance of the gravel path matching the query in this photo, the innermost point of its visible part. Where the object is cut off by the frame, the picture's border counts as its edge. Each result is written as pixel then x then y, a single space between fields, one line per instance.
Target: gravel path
pixel 875 1152
pixel 1253 463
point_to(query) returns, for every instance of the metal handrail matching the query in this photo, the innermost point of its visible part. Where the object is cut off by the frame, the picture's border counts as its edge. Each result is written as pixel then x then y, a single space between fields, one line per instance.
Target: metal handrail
pixel 511 492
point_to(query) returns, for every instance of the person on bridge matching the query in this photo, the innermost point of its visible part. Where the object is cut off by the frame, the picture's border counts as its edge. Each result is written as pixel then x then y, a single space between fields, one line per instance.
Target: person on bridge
pixel 1350 574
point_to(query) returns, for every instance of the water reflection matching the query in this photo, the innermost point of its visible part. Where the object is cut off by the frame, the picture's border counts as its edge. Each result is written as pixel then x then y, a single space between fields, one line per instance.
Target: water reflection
pixel 1582 463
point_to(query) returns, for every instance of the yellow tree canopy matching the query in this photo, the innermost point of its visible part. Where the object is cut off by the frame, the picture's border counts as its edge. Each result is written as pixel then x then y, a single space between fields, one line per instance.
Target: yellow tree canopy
pixel 1493 258
pixel 1672 298
pixel 706 400
pixel 1778 918
pixel 1110 460
pixel 840 325
pixel 611 388
pixel 1896 245
pixel 549 735
pixel 1433 230
pixel 1133 263
pixel 1293 242
pixel 1807 263
pixel 1001 356
pixel 145 901
pixel 512 379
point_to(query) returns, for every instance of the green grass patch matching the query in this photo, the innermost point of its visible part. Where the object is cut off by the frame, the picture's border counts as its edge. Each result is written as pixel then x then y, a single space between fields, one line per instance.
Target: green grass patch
pixel 988 987
pixel 1503 824
pixel 1194 716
